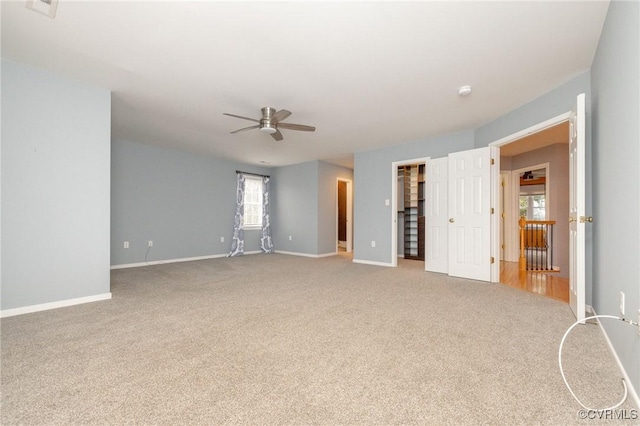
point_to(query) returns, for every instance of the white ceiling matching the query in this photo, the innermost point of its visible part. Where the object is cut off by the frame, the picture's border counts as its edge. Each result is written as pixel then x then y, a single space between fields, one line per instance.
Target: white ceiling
pixel 366 74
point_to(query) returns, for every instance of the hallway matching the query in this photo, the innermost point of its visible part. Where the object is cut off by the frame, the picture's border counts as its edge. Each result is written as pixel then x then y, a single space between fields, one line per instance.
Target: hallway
pixel 546 284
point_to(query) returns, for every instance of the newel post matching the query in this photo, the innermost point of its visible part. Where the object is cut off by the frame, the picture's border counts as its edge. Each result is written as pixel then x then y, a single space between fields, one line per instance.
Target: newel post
pixel 523 260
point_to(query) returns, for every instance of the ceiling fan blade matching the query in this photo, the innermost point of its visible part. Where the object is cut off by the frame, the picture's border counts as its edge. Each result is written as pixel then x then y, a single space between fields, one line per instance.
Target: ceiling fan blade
pixel 239 116
pixel 246 128
pixel 277 135
pixel 280 115
pixel 292 126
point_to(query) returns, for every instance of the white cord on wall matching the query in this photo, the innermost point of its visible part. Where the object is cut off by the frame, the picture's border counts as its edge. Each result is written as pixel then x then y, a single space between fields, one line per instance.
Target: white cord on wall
pixel 624 384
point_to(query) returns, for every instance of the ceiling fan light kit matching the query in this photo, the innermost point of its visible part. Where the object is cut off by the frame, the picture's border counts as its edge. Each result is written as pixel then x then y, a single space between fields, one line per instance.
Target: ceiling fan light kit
pixel 271 121
pixel 267 128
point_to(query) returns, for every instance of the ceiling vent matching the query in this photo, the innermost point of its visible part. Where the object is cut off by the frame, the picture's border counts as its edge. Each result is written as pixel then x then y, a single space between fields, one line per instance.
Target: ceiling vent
pixel 46 7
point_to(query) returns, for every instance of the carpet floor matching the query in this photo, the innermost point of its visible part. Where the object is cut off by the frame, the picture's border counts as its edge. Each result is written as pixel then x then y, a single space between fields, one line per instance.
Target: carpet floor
pixel 277 339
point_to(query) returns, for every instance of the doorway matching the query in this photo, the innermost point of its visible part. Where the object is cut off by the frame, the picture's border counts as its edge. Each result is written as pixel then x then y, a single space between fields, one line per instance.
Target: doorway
pixel 344 216
pixel 535 185
pixel 397 204
pixel 538 170
pixel 411 193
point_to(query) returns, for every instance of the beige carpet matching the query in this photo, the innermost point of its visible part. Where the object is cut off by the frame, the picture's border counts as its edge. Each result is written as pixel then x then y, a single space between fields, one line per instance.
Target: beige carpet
pixel 276 339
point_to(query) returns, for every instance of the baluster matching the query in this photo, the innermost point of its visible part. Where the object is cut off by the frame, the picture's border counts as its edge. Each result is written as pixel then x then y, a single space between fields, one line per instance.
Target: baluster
pixel 551 247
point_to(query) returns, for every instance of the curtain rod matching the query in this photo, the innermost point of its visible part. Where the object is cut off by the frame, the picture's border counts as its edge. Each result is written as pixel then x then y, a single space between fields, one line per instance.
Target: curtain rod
pixel 252 174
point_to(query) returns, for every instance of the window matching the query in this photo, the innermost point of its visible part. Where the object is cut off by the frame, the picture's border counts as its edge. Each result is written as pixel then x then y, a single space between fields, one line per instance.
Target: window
pixel 533 207
pixel 252 202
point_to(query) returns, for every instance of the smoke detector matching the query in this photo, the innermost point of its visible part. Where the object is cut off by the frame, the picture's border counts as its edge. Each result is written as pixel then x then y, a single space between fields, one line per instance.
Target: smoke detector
pixel 46 7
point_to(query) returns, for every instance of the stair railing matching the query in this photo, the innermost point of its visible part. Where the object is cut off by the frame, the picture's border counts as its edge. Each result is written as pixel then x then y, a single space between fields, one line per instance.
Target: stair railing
pixel 536 244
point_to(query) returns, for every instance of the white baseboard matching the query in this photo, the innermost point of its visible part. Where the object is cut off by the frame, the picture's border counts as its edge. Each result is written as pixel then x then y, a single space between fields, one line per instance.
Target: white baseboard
pixel 632 391
pixel 371 262
pixel 335 253
pixel 184 259
pixel 315 256
pixel 53 305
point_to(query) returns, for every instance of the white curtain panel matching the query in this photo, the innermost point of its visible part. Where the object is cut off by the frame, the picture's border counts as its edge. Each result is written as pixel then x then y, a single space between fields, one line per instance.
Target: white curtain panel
pixel 266 244
pixel 237 243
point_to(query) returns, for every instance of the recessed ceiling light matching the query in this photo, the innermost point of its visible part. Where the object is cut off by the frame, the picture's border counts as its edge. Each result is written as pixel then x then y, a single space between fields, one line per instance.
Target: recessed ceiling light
pixel 464 91
pixel 46 7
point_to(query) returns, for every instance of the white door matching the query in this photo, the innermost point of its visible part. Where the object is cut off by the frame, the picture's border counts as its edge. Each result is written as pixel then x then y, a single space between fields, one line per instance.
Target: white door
pixel 577 215
pixel 437 219
pixel 470 214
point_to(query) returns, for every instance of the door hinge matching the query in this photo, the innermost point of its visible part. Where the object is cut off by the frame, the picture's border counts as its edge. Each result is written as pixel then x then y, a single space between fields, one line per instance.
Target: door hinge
pixel 503 246
pixel 492 210
pixel 493 161
pixel 493 259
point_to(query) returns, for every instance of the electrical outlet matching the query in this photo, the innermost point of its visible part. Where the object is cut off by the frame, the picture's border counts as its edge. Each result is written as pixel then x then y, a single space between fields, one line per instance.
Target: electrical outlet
pixel 150 243
pixel 373 243
pixel 222 239
pixel 126 244
pixel 289 237
pixel 622 304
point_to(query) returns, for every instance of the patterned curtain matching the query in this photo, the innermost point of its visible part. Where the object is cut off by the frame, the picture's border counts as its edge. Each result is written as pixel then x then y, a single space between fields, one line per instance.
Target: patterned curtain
pixel 266 245
pixel 237 245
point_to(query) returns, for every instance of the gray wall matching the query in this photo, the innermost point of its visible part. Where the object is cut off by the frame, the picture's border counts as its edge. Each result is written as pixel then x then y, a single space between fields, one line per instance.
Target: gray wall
pixel 616 178
pixel 328 175
pixel 295 199
pixel 181 201
pixel 558 158
pixel 373 182
pixel 304 200
pixel 549 105
pixel 55 188
pixel 185 203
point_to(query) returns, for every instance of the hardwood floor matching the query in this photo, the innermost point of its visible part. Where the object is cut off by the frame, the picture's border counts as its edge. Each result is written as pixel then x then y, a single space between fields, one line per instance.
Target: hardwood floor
pixel 546 284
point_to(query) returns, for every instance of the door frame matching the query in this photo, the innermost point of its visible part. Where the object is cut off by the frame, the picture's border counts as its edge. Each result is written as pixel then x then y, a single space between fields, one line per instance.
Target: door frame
pixel 394 203
pixel 506 214
pixel 349 183
pixel 495 183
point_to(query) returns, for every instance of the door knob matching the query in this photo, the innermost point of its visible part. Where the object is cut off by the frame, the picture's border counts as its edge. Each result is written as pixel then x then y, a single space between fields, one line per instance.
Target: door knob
pixel 572 219
pixel 584 219
pixel 451 220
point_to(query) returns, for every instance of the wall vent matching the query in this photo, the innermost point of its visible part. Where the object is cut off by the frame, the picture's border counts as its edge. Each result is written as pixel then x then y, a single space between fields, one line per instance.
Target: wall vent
pixel 46 7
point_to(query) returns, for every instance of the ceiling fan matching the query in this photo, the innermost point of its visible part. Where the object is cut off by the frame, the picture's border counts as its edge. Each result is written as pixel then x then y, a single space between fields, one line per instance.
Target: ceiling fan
pixel 271 122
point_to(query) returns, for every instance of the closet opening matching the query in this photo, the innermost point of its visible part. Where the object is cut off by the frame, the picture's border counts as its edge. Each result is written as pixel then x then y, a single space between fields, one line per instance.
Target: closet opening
pixel 411 223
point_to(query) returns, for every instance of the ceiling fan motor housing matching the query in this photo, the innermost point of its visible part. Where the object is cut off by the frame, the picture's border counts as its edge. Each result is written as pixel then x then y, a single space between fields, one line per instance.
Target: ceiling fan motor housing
pixel 265 122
